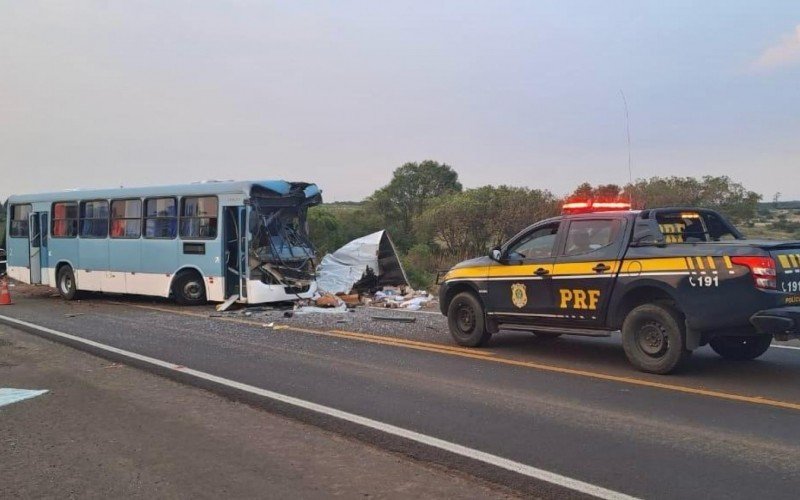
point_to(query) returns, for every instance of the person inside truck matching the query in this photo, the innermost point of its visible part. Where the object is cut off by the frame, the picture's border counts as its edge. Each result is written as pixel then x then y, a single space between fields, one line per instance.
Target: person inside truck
pixel 579 242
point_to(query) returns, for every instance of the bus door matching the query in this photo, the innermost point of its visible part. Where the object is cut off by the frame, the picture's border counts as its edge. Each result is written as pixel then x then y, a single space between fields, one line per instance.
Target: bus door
pixel 243 254
pixel 34 247
pixel 44 254
pixel 235 252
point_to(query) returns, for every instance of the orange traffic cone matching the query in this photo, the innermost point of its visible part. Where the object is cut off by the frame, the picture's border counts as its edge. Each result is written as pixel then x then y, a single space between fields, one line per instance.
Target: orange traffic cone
pixel 5 294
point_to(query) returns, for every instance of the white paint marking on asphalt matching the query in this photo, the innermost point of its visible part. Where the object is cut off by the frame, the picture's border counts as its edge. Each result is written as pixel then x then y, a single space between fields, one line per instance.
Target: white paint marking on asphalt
pixel 786 347
pixel 457 449
pixel 9 395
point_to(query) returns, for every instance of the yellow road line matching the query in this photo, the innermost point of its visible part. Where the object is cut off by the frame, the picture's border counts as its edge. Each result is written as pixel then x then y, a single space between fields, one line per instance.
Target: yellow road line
pixel 378 339
pixel 475 354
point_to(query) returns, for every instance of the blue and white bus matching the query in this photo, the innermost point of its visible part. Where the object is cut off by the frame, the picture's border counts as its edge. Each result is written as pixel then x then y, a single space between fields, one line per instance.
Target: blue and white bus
pixel 209 241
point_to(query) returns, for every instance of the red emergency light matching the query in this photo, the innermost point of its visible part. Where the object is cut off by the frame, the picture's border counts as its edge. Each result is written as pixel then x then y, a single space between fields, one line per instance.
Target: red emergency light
pixel 579 207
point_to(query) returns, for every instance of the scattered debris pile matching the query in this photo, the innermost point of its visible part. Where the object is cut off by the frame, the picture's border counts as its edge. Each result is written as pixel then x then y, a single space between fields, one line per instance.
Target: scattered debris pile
pixel 364 272
pixel 365 265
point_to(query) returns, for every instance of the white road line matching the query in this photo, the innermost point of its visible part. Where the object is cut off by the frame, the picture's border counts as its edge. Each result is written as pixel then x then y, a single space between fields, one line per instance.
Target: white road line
pixel 488 458
pixel 786 347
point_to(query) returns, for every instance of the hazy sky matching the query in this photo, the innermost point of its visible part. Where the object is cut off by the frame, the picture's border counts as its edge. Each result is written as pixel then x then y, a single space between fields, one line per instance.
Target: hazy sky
pixel 97 94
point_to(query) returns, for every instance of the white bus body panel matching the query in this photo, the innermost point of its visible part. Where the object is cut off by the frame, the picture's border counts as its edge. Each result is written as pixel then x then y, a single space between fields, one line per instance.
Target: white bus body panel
pixel 18 273
pixel 259 293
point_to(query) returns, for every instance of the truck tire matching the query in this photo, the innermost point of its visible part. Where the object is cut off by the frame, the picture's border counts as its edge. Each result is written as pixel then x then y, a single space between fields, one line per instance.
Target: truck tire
pixel 654 338
pixel 65 282
pixel 189 289
pixel 741 348
pixel 465 317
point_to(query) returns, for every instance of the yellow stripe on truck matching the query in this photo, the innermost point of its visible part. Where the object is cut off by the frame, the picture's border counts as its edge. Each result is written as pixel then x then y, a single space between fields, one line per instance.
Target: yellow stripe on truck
pixel 522 270
pixel 661 264
pixel 568 268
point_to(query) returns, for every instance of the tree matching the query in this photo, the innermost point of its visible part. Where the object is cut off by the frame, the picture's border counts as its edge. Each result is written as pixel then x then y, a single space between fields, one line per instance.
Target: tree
pixel 414 186
pixel 605 192
pixel 719 193
pixel 469 223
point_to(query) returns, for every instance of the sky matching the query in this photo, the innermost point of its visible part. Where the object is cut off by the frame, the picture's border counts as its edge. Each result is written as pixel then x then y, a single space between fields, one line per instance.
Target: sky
pixel 112 93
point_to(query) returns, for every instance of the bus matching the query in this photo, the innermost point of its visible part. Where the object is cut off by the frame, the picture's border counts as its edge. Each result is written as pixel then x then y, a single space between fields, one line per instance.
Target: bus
pixel 236 241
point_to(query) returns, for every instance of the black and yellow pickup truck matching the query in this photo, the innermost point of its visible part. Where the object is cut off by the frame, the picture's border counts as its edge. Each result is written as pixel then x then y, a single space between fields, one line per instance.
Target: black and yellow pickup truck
pixel 669 279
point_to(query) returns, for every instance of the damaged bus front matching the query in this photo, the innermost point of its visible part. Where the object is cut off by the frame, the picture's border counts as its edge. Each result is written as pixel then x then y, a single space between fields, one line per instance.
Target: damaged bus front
pixel 275 256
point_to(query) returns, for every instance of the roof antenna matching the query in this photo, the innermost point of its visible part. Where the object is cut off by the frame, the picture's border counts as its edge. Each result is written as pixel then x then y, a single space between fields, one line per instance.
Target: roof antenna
pixel 628 135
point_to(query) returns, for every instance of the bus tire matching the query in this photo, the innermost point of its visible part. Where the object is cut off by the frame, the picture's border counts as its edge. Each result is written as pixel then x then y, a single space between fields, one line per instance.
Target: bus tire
pixel 741 348
pixel 65 282
pixel 189 289
pixel 466 320
pixel 654 338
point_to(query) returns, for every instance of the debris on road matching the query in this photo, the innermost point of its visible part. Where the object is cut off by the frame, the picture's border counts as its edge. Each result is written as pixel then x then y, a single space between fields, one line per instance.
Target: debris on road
pixel 327 300
pixel 341 308
pixel 363 265
pixel 228 303
pixel 399 319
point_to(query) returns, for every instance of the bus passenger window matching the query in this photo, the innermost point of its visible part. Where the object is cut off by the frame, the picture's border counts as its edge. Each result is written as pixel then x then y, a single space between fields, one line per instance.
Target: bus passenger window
pixel 199 217
pixel 65 219
pixel 126 219
pixel 94 219
pixel 161 218
pixel 19 221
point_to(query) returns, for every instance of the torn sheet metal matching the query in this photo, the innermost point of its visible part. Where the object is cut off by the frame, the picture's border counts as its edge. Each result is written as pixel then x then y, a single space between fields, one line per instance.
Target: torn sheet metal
pixel 367 263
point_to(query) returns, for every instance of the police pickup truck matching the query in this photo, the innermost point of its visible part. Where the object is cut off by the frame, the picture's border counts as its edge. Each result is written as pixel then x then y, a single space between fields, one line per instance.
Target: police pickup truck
pixel 669 279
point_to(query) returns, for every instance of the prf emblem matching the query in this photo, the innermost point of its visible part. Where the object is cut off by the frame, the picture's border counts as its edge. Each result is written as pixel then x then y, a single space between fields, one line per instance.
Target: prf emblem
pixel 519 296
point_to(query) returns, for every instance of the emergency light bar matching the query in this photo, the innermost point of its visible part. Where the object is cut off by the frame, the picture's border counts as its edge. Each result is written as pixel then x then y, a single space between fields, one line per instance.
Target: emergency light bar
pixel 577 207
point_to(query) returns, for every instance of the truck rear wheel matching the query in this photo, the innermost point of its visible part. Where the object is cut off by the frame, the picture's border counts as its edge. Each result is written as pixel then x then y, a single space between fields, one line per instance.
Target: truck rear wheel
pixel 466 320
pixel 654 338
pixel 741 348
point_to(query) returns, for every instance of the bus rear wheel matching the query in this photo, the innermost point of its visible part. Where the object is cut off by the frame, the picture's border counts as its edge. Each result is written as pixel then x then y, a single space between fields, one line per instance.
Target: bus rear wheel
pixel 189 289
pixel 65 281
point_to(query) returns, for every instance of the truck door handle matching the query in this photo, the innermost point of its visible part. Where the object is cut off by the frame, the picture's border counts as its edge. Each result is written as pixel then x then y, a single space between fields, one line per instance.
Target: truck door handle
pixel 601 268
pixel 541 272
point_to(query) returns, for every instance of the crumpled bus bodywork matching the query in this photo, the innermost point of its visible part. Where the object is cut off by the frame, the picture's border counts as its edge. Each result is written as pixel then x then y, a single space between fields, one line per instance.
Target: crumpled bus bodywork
pixel 280 256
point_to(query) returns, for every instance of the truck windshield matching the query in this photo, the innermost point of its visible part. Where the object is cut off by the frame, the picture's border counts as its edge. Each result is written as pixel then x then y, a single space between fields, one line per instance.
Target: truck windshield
pixel 686 226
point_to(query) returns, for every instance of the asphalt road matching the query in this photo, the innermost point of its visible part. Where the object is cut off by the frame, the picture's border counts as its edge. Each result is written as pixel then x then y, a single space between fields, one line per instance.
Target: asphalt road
pixel 105 430
pixel 573 407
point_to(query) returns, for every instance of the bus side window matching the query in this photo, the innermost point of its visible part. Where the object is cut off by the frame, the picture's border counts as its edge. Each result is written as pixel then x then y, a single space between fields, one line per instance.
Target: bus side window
pixel 199 217
pixel 19 221
pixel 94 219
pixel 65 219
pixel 126 219
pixel 161 218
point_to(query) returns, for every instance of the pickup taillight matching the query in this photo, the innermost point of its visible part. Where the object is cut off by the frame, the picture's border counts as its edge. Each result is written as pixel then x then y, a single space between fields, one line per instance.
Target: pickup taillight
pixel 762 269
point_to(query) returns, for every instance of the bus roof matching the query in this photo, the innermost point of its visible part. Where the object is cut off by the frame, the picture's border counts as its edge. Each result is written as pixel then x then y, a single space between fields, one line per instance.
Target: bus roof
pixel 280 187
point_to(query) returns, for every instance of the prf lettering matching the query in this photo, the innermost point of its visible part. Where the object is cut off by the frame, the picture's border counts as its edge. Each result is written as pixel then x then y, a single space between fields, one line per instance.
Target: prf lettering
pixel 579 299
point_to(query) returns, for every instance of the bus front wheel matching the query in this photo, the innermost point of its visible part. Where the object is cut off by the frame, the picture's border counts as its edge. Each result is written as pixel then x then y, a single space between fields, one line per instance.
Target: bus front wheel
pixel 67 287
pixel 189 289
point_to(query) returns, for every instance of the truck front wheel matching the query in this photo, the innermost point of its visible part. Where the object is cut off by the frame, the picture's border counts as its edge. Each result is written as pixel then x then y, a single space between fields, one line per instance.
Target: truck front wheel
pixel 741 348
pixel 653 336
pixel 466 320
